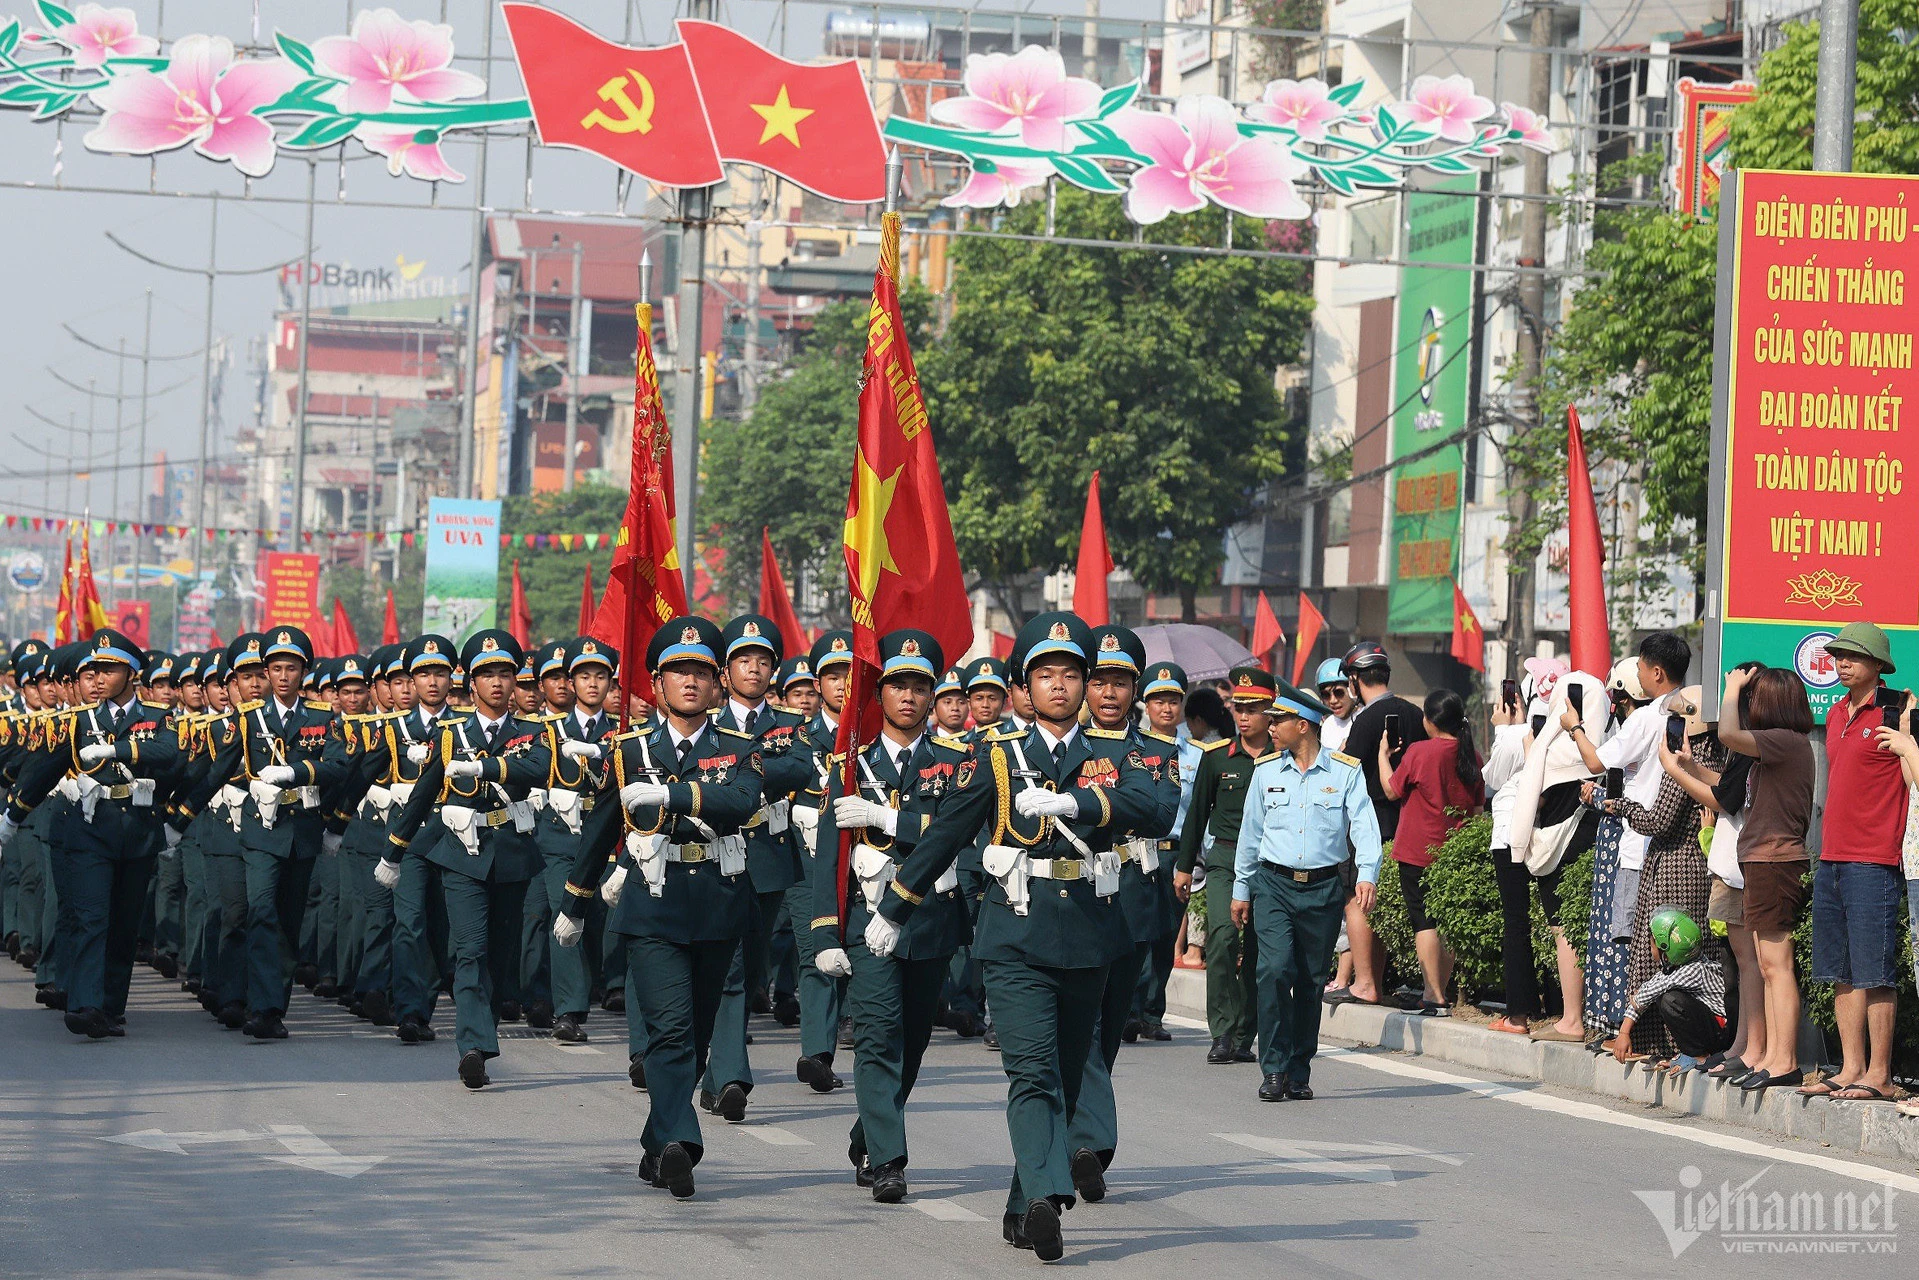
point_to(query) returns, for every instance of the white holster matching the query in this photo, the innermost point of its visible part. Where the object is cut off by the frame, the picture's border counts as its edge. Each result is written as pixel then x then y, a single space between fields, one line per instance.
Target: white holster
pixel 380 799
pixel 1106 867
pixel 522 811
pixel 566 806
pixel 948 881
pixel 142 795
pixel 309 797
pixel 649 855
pixel 464 824
pixel 1007 865
pixel 1143 851
pixel 874 870
pixel 267 797
pixel 537 798
pixel 776 814
pixel 402 793
pixel 235 799
pixel 730 853
pixel 806 821
pixel 83 791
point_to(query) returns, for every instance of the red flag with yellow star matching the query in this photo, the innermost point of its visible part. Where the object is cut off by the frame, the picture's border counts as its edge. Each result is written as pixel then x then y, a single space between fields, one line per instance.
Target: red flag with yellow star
pixel 1469 640
pixel 811 122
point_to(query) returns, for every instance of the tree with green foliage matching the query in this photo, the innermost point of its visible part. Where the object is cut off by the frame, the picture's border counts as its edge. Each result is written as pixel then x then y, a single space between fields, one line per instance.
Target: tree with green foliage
pixel 1155 367
pixel 552 576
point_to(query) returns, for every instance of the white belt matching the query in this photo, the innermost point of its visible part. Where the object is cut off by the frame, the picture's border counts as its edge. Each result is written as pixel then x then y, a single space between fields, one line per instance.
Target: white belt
pixel 536 798
pixel 1141 850
pixel 775 814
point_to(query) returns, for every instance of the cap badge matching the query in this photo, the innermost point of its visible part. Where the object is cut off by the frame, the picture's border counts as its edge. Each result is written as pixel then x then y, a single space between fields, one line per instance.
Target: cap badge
pixel 1164 674
pixel 589 647
pixel 431 646
pixel 839 644
pixel 488 644
pixel 1245 681
pixel 1059 632
pixel 1109 644
pixel 910 649
pixel 750 629
pixel 689 635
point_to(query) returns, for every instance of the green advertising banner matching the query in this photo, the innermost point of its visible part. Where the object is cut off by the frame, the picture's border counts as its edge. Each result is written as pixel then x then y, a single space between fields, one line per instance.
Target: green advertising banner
pixel 462 566
pixel 1431 382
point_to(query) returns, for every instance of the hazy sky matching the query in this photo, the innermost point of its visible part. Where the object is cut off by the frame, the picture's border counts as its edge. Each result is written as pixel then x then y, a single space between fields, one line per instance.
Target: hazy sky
pixel 63 269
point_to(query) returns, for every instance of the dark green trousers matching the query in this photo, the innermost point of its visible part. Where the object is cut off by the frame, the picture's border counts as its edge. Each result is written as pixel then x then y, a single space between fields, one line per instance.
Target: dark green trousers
pixel 677 986
pixel 892 1004
pixel 821 997
pixel 169 903
pixel 1095 1122
pixel 729 1064
pixel 227 906
pixel 1044 1019
pixel 419 938
pixel 1297 924
pixel 105 896
pixel 1232 959
pixel 276 901
pixel 483 932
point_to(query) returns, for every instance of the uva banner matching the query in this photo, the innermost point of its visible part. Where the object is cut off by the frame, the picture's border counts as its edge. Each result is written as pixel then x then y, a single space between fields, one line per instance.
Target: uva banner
pixel 675 114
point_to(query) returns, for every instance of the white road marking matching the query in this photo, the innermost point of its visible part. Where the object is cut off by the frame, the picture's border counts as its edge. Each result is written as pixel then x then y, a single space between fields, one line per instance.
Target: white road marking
pixel 946 1210
pixel 774 1136
pixel 1321 1157
pixel 177 1143
pixel 304 1150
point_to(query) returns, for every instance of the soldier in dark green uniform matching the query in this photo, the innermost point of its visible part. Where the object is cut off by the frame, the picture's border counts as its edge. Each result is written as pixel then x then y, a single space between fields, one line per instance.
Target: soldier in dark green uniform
pixel 160 684
pixel 752 648
pixel 984 683
pixel 23 869
pixel 822 996
pixel 470 816
pixel 545 665
pixel 1163 699
pixel 1052 923
pixel 799 691
pixel 420 927
pixel 893 1000
pixel 1211 830
pixel 377 789
pixel 678 793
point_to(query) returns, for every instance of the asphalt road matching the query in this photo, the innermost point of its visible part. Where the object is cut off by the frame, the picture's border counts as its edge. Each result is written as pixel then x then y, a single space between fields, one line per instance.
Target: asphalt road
pixel 184 1151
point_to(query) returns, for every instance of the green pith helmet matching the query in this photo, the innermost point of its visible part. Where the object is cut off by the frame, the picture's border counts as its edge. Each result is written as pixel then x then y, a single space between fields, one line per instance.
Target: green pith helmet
pixel 1675 936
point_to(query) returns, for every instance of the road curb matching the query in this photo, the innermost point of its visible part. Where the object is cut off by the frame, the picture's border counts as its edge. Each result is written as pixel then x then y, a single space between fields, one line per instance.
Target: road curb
pixel 1866 1127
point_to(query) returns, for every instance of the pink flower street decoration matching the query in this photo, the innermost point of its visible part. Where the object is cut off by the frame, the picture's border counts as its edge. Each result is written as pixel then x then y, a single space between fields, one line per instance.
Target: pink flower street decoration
pixel 1449 105
pixel 203 97
pixel 1001 187
pixel 1029 90
pixel 1530 128
pixel 406 153
pixel 386 55
pixel 1301 105
pixel 1197 154
pixel 98 33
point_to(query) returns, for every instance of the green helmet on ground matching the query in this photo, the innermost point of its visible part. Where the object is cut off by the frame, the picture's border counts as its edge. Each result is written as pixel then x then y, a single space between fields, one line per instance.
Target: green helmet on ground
pixel 1675 936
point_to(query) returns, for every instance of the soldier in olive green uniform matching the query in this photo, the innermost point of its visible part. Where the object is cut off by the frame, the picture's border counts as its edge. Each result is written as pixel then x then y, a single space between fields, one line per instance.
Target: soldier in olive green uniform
pixel 1051 925
pixel 1212 829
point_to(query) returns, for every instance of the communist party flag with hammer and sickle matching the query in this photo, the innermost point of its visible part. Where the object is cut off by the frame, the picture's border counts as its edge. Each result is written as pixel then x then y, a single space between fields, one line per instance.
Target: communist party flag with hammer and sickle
pixel 902 568
pixel 672 114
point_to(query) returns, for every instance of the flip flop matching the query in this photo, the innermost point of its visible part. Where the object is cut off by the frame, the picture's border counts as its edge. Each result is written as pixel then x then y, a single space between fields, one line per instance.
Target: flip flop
pixel 1340 995
pixel 1556 1036
pixel 1728 1069
pixel 1824 1087
pixel 1869 1093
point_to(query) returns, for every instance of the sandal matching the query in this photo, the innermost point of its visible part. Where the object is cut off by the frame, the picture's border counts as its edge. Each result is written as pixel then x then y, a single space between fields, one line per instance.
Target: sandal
pixel 1823 1087
pixel 1429 1009
pixel 1507 1026
pixel 1340 995
pixel 1759 1081
pixel 1728 1069
pixel 1865 1092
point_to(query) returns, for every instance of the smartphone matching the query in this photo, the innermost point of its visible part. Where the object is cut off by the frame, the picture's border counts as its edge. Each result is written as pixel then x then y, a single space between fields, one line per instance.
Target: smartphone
pixel 1888 699
pixel 1392 731
pixel 1576 698
pixel 1675 734
pixel 1615 782
pixel 1509 693
pixel 1539 725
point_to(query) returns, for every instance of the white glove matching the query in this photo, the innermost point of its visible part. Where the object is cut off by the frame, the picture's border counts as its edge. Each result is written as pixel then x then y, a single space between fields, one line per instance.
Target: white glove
pixel 8 829
pixel 278 775
pixel 643 795
pixel 330 842
pixel 882 935
pixel 573 750
pixel 172 839
pixel 834 962
pixel 857 811
pixel 463 768
pixel 387 873
pixel 612 886
pixel 418 753
pixel 94 752
pixel 567 930
pixel 1035 802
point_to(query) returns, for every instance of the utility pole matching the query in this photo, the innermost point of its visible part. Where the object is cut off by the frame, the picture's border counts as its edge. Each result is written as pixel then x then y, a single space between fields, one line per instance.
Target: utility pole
pixel 696 207
pixel 1834 105
pixel 198 535
pixel 573 358
pixel 750 355
pixel 1089 43
pixel 1530 348
pixel 300 386
pixel 470 401
pixel 139 474
pixel 113 538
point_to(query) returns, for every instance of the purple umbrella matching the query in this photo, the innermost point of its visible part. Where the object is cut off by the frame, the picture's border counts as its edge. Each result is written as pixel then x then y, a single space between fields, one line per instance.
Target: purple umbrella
pixel 1206 652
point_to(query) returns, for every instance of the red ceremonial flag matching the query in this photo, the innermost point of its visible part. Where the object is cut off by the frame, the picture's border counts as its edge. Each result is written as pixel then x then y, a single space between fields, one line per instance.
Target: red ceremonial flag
pixel 1585 560
pixel 1305 636
pixel 390 629
pixel 902 568
pixel 639 108
pixel 775 603
pixel 1469 640
pixel 1095 562
pixel 88 613
pixel 345 639
pixel 320 632
pixel 811 122
pixel 214 641
pixel 519 617
pixel 1002 645
pixel 587 609
pixel 1266 633
pixel 63 610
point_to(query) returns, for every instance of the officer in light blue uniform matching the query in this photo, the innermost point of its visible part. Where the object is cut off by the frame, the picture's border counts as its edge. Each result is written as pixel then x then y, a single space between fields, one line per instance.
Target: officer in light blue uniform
pixel 1306 813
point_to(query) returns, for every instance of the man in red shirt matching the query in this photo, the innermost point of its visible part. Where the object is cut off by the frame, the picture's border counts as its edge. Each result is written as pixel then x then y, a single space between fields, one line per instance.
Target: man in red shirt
pixel 1857 883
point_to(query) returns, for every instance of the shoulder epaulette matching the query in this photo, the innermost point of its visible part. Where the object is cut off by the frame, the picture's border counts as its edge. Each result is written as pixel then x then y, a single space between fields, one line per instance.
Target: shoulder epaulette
pixel 314 704
pixel 157 705
pixel 1166 738
pixel 1005 735
pixel 1270 755
pixel 1109 734
pixel 951 743
pixel 735 733
pixel 245 707
pixel 1343 758
pixel 1215 744
pixel 552 717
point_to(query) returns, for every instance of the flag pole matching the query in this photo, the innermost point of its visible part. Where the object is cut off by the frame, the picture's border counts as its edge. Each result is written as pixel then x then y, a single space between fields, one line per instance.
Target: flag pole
pixel 643 321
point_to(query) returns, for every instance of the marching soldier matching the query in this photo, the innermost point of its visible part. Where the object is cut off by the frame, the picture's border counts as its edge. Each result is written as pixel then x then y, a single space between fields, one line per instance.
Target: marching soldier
pixel 1052 923
pixel 949 703
pixel 471 817
pixel 823 1029
pixel 752 647
pixel 799 692
pixel 986 692
pixel 893 1000
pixel 1164 699
pixel 420 925
pixel 548 664
pixel 677 796
pixel 966 1012
pixel 26 885
pixel 105 757
pixel 361 690
pixel 170 882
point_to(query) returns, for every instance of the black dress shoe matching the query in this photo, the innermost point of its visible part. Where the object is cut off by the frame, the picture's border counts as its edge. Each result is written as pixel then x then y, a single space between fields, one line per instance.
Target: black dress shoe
pixel 233 1015
pixel 615 1002
pixel 846 1033
pixel 326 989
pixel 759 1004
pixel 90 1023
pixel 13 945
pixel 116 1028
pixel 1156 1030
pixel 862 1167
pixel 1089 1175
pixel 1273 1088
pixel 143 953
pixel 539 1015
pixel 676 1171
pixel 636 1070
pixel 1013 1227
pixel 817 1070
pixel 473 1070
pixel 509 1011
pixel 786 1011
pixel 967 1026
pixel 266 1026
pixel 650 1170
pixel 708 1102
pixel 306 975
pixel 991 1038
pixel 1244 1053
pixel 190 985
pixel 567 1028
pixel 410 1029
pixel 1221 1052
pixel 1130 1032
pixel 731 1105
pixel 1041 1227
pixel 166 966
pixel 1299 1092
pixel 889 1182
pixel 40 994
pixel 375 1008
pixel 29 957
